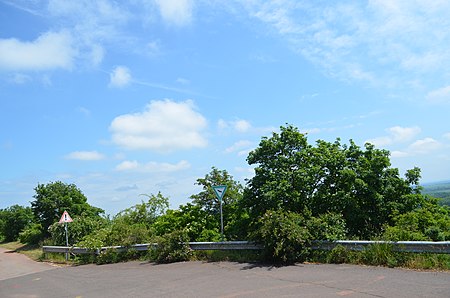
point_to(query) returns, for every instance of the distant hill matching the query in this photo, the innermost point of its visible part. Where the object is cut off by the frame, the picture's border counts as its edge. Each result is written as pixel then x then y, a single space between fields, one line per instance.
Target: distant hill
pixel 438 190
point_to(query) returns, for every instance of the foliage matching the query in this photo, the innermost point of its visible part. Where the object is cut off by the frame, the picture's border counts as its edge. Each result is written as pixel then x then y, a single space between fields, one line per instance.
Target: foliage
pixel 338 255
pixel 358 183
pixel 111 256
pixel 146 212
pixel 79 228
pixel 329 226
pixel 52 199
pixel 32 234
pixel 95 240
pixel 14 220
pixel 429 222
pixel 285 236
pixel 172 247
pixel 198 223
pixel 380 254
pixel 121 233
pixel 208 202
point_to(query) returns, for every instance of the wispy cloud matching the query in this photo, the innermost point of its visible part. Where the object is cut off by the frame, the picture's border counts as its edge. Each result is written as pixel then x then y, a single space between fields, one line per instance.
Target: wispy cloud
pixel 243 147
pixel 85 155
pixel 396 134
pixel 152 167
pixel 419 147
pixel 176 12
pixel 424 146
pixel 241 126
pixel 387 43
pixel 441 95
pixel 120 77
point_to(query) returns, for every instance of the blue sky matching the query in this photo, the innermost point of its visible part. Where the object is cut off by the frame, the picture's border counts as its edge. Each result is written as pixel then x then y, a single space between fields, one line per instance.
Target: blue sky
pixel 133 97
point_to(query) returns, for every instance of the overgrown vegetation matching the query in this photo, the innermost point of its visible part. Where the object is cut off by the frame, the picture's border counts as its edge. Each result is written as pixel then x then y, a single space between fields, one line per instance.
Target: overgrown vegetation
pixel 300 192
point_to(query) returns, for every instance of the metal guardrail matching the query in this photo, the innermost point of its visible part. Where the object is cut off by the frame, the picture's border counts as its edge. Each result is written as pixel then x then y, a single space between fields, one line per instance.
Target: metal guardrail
pixel 442 247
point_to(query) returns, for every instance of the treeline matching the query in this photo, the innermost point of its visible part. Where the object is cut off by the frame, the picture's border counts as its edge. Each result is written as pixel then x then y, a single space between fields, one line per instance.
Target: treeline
pixel 299 193
pixel 439 190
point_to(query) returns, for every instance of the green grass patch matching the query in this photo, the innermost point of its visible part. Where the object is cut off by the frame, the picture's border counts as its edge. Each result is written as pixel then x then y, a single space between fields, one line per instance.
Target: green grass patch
pixel 34 252
pixel 382 255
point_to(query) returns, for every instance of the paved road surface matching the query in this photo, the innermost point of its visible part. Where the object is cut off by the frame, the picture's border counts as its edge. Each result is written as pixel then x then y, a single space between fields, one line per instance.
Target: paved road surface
pixel 226 279
pixel 15 264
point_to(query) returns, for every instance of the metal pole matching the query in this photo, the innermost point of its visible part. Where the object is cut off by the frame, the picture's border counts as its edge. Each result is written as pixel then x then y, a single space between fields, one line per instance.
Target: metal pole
pixel 221 219
pixel 67 241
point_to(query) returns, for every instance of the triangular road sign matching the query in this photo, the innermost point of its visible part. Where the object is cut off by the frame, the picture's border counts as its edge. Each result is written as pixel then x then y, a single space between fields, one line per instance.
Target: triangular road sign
pixel 65 218
pixel 220 191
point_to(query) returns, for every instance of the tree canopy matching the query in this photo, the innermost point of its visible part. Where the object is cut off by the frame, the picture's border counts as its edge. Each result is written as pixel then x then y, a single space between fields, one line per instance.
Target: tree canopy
pixel 52 199
pixel 359 183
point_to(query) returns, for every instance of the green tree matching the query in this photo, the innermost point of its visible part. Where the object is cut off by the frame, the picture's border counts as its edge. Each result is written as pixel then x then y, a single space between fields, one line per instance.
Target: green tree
pixel 14 220
pixel 429 221
pixel 146 212
pixel 292 175
pixel 52 199
pixel 208 202
pixel 196 222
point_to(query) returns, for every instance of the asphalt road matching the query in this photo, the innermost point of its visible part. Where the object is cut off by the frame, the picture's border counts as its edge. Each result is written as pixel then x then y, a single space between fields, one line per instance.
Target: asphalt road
pixel 225 279
pixel 15 264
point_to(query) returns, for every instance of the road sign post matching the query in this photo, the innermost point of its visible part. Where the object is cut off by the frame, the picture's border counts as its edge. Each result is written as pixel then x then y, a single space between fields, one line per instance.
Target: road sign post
pixel 65 218
pixel 220 190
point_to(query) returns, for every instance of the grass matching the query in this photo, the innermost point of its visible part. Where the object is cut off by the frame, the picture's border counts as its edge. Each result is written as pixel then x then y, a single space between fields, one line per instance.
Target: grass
pixel 383 255
pixel 34 252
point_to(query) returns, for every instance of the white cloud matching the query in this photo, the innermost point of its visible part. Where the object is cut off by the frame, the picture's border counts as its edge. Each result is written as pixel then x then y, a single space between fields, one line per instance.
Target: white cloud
pixel 400 154
pixel 441 95
pixel 163 126
pixel 120 77
pixel 127 165
pixel 49 51
pixel 243 144
pixel 241 126
pixel 85 155
pixel 424 146
pixel 176 12
pixel 447 136
pixel 397 134
pixel 153 167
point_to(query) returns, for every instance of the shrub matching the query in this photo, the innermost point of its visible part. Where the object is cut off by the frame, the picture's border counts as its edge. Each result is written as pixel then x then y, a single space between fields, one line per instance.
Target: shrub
pixel 32 234
pixel 77 230
pixel 285 237
pixel 172 247
pixel 338 255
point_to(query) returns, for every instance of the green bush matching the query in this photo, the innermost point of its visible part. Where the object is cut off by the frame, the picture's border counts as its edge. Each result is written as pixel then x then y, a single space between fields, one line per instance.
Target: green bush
pixel 32 234
pixel 285 237
pixel 172 247
pixel 338 255
pixel 77 230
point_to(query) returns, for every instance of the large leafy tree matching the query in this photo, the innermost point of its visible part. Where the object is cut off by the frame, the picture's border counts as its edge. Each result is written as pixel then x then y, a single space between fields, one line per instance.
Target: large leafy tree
pixel 14 220
pixel 52 199
pixel 359 183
